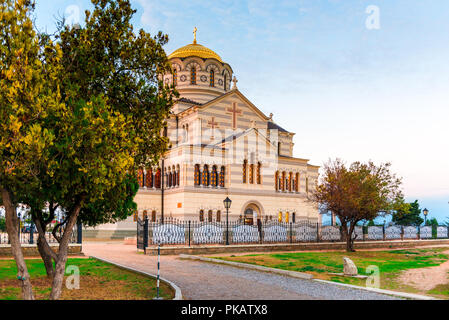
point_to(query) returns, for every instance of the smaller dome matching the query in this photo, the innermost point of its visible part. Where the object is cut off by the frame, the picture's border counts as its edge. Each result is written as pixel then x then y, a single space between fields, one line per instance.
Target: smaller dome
pixel 196 50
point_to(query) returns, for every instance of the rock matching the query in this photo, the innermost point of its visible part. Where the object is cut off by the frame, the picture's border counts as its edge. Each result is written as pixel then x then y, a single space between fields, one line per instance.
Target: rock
pixel 349 268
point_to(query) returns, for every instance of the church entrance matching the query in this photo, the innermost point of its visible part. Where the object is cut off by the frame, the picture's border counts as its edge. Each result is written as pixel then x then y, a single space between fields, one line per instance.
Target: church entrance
pixel 249 216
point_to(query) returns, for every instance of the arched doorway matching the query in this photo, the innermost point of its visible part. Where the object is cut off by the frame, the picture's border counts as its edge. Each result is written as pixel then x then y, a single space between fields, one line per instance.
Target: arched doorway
pixel 252 212
pixel 248 217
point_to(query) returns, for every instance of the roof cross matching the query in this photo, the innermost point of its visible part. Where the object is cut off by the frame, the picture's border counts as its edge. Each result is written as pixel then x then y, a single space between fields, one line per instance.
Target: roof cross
pixel 234 80
pixel 194 35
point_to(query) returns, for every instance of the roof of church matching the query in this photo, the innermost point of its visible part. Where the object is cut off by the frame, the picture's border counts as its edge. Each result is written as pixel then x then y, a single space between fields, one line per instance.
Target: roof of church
pixel 272 125
pixel 196 50
pixel 185 100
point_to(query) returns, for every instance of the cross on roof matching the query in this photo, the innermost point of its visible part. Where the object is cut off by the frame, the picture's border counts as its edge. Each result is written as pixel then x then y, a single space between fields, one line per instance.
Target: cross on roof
pixel 234 80
pixel 194 34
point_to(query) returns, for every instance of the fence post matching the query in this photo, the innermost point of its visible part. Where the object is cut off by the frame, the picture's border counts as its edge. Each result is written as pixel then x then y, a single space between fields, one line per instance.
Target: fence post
pixel 31 233
pixel 145 235
pixel 189 233
pixel 79 232
pixel 402 233
pixel 317 232
pixel 383 232
pixel 419 233
pixel 291 233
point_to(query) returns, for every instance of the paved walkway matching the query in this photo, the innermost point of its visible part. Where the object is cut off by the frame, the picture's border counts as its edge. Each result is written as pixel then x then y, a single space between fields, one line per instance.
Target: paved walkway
pixel 207 281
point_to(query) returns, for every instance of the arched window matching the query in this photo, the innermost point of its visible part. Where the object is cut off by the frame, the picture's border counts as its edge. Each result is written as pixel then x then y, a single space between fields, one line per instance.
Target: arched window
pixel 283 181
pixel 170 178
pixel 245 165
pixel 209 215
pixel 153 216
pixel 218 216
pixel 251 173
pixel 286 216
pixel 193 75
pixel 205 175
pixel 276 181
pixel 145 214
pixel 225 81
pixel 149 178
pixel 280 216
pixel 135 215
pixel 290 176
pixel 258 177
pixel 307 185
pixel 157 179
pixel 187 133
pixel 214 177
pixel 279 148
pixel 140 177
pixel 201 215
pixel 178 172
pixel 297 182
pixel 175 77
pixel 294 217
pixel 222 177
pixel 212 78
pixel 197 175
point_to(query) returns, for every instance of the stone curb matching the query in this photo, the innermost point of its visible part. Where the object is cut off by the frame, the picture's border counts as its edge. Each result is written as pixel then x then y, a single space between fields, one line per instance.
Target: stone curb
pixel 178 294
pixel 293 274
pixel 382 291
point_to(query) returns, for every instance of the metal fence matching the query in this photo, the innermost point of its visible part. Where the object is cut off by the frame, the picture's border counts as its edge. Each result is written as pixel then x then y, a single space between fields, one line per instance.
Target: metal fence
pixel 179 232
pixel 30 235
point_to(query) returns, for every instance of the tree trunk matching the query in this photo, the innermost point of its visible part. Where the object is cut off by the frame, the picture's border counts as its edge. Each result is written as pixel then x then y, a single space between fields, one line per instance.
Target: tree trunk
pixel 62 253
pixel 12 225
pixel 347 237
pixel 45 250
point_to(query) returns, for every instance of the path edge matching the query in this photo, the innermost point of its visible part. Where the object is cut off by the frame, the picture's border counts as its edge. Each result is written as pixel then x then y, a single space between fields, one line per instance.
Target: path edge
pixel 178 293
pixel 293 274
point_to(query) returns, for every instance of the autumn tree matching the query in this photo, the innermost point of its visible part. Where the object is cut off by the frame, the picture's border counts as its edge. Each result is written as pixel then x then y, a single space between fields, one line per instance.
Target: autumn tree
pixel 362 191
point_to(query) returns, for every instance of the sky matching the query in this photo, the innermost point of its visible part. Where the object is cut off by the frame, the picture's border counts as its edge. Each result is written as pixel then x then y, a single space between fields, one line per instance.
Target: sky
pixel 354 79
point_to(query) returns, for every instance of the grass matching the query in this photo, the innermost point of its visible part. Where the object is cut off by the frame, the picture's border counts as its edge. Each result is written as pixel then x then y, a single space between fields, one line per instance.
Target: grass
pixel 321 264
pixel 98 281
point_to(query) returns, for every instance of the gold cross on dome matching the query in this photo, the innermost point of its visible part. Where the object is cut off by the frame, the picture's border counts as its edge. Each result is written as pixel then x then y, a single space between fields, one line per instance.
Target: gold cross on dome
pixel 194 34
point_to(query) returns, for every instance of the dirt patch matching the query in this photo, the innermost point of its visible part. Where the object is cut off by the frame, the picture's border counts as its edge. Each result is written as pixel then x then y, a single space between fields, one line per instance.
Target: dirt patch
pixel 425 279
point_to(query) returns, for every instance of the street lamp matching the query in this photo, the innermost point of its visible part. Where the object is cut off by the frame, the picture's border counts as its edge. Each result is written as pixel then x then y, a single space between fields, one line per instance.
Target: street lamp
pixel 227 204
pixel 425 212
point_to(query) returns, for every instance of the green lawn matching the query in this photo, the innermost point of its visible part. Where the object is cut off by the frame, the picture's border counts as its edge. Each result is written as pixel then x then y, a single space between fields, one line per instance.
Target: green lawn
pixel 321 264
pixel 98 280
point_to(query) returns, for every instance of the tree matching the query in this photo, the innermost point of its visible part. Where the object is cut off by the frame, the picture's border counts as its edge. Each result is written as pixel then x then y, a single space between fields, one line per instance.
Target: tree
pixel 356 193
pixel 409 216
pixel 28 92
pixel 115 110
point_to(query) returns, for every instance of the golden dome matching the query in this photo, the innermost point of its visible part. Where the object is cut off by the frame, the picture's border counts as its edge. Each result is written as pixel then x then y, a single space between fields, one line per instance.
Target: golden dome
pixel 194 49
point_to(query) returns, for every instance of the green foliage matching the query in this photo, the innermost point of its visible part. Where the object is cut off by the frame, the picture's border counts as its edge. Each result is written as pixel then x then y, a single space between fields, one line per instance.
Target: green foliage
pixel 434 223
pixel 2 224
pixel 409 216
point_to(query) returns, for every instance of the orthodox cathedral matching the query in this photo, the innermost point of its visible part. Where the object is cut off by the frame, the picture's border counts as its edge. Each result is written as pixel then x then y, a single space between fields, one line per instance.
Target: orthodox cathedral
pixel 221 145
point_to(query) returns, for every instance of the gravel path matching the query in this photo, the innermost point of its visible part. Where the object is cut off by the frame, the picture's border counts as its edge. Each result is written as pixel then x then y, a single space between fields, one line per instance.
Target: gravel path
pixel 208 281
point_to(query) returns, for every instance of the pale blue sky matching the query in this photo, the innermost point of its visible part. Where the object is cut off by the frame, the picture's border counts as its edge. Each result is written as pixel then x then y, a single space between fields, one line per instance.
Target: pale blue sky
pixel 346 91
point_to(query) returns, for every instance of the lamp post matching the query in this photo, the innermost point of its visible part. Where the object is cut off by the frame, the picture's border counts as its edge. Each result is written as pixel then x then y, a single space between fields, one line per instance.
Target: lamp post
pixel 227 204
pixel 425 212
